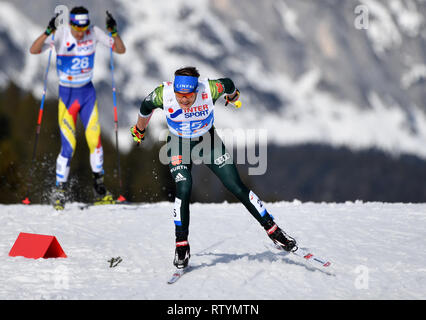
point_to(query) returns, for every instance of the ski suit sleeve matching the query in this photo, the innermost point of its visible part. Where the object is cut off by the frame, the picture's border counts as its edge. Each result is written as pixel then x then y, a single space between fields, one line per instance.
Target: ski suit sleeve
pixel 220 87
pixel 103 38
pixel 153 101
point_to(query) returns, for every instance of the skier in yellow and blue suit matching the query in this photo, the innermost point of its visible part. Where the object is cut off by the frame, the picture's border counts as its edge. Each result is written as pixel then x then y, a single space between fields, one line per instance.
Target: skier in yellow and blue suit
pixel 75 46
pixel 188 105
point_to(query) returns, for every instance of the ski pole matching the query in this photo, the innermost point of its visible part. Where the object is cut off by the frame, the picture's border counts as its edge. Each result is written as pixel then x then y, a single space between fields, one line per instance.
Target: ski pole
pixel 38 127
pixel 121 198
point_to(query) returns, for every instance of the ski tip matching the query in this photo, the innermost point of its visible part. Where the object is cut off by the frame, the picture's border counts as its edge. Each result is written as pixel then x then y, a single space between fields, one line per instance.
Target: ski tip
pixel 26 201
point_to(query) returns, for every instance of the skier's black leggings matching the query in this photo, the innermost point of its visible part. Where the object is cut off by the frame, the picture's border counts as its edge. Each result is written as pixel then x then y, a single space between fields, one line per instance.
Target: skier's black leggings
pixel 210 150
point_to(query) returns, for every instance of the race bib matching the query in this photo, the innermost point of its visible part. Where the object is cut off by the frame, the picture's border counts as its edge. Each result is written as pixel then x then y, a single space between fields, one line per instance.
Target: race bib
pixel 75 65
pixel 257 203
pixel 176 212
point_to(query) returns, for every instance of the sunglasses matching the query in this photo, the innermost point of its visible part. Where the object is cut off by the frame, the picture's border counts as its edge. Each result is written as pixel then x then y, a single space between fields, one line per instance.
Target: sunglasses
pixel 79 29
pixel 186 95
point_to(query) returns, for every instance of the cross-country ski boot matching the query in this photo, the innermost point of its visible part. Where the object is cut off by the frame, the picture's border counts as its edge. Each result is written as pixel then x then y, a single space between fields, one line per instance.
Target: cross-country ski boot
pixel 182 254
pixel 279 237
pixel 102 195
pixel 58 196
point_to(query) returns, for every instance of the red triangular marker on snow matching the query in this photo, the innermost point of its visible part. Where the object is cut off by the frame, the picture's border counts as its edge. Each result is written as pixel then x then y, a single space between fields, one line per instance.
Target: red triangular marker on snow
pixel 30 245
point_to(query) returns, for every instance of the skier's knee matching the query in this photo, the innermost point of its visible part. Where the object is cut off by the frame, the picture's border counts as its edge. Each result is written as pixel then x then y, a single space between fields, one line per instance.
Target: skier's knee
pixel 183 190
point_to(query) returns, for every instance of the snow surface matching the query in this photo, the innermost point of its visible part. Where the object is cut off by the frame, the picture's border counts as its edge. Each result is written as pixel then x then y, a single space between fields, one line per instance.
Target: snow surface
pixel 377 251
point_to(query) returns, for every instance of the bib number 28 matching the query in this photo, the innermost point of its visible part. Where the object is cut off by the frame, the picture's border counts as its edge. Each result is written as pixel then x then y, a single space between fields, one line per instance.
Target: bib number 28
pixel 80 63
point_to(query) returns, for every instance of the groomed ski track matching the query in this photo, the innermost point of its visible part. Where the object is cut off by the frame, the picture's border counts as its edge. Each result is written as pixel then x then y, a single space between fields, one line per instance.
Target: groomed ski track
pixel 376 250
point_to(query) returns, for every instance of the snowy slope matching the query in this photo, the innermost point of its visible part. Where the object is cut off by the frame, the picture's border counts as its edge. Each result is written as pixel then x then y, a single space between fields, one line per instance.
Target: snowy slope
pixel 377 250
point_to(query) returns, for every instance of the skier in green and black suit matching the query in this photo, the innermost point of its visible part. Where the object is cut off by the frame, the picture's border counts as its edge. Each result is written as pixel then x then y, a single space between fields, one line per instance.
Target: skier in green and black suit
pixel 188 104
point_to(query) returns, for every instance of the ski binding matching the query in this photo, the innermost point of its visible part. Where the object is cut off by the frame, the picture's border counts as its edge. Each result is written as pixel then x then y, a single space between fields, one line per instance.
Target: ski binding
pixel 177 275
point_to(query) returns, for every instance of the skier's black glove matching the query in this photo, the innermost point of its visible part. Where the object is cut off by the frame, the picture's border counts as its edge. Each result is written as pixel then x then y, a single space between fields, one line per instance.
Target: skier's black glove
pixel 51 27
pixel 111 24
